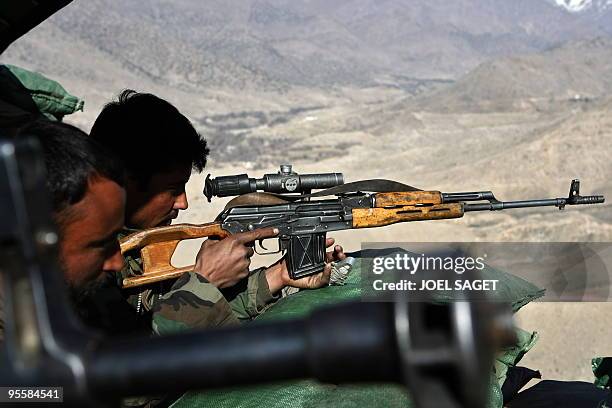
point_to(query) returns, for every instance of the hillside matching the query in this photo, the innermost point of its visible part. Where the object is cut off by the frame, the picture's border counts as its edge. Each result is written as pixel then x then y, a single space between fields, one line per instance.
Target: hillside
pixel 577 72
pixel 274 44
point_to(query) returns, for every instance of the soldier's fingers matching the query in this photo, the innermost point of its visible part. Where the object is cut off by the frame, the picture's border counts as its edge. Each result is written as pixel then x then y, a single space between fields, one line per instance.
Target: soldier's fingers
pixel 242 268
pixel 339 253
pixel 204 245
pixel 250 252
pixel 250 236
pixel 329 242
pixel 336 255
pixel 243 251
pixel 326 275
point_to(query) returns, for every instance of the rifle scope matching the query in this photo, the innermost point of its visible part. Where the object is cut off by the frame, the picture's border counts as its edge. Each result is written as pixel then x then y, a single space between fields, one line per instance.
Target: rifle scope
pixel 285 181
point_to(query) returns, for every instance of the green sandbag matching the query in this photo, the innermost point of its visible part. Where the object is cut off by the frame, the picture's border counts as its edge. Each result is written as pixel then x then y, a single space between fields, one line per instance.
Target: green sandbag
pixel 602 368
pixel 510 356
pixel 309 393
pixel 50 97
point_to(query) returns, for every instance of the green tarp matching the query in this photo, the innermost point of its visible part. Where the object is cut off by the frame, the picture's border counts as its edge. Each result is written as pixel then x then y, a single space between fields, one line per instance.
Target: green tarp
pixel 307 393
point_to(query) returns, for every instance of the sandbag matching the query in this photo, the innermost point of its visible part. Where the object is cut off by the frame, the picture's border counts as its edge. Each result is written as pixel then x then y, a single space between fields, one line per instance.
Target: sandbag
pixel 50 98
pixel 304 394
pixel 26 96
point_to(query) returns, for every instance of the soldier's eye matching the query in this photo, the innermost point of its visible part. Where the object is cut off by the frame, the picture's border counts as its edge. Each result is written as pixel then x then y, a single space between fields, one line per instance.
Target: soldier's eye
pixel 177 190
pixel 107 244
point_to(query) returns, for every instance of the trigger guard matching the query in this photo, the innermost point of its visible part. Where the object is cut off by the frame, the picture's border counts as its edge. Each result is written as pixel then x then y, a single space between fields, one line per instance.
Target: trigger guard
pixel 260 241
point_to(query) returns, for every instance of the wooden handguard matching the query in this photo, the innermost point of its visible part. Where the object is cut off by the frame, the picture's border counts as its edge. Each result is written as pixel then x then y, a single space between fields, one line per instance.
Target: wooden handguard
pixel 391 208
pixel 388 200
pixel 157 246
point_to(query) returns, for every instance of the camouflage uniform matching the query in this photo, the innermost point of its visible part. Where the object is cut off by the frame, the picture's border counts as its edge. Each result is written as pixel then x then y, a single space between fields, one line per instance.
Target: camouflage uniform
pixel 191 302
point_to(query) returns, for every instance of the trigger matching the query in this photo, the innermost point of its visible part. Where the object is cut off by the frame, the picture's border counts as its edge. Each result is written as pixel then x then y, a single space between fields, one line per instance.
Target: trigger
pixel 263 248
pixel 261 245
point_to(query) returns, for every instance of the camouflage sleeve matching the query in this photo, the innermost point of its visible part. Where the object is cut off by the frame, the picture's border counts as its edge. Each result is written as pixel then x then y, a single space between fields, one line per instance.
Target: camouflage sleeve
pixel 250 297
pixel 191 303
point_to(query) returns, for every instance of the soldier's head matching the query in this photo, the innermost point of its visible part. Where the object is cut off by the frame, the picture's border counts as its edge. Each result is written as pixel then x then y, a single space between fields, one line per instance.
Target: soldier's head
pixel 85 183
pixel 159 148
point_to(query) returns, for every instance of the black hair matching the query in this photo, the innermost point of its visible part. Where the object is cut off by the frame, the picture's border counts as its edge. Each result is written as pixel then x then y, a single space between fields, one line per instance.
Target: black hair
pixel 71 159
pixel 149 135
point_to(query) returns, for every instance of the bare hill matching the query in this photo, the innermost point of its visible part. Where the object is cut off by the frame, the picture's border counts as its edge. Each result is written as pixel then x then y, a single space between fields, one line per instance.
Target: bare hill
pixel 577 72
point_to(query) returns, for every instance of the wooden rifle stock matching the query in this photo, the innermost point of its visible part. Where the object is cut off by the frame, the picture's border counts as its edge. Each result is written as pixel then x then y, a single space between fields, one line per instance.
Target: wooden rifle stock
pixel 157 246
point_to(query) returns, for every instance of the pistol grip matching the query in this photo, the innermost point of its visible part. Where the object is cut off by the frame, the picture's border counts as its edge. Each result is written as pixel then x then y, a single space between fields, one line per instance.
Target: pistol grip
pixel 305 254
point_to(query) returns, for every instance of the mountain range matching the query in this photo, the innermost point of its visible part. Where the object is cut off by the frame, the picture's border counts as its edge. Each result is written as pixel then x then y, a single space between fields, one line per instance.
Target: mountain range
pixel 580 6
pixel 272 45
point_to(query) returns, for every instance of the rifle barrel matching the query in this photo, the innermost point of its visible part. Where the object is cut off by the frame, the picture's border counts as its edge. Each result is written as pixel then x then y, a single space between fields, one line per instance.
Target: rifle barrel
pixel 552 202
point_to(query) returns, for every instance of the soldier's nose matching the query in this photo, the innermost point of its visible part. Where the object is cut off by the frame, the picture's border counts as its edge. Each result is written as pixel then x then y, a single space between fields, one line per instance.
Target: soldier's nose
pixel 181 202
pixel 114 263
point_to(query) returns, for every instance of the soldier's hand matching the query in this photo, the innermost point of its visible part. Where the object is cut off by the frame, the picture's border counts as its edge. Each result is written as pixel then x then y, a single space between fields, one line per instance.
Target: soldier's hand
pixel 279 274
pixel 337 254
pixel 224 263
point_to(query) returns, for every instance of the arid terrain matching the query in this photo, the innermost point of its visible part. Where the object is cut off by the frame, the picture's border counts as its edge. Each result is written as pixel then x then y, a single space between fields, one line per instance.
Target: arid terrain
pixel 473 96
